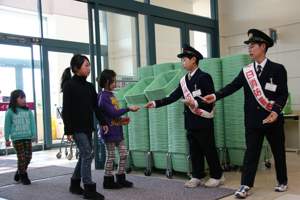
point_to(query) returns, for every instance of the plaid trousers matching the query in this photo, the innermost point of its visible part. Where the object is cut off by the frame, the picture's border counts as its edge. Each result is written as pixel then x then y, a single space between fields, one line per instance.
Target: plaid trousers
pixel 23 150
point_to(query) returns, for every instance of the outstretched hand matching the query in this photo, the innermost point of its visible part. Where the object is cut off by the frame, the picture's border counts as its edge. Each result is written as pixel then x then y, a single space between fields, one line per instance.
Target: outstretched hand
pixel 106 129
pixel 209 98
pixel 134 108
pixel 150 105
pixel 190 103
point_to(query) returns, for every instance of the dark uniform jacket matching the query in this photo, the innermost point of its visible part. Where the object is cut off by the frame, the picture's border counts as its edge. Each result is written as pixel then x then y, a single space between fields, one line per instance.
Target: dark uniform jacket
pixel 254 113
pixel 204 82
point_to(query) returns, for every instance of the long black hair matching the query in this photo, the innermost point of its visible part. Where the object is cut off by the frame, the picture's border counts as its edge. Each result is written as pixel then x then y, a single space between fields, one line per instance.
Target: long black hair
pixel 14 95
pixel 76 61
pixel 106 75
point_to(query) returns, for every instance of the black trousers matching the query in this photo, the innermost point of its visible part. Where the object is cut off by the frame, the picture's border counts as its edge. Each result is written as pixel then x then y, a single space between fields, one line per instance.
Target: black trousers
pixel 254 141
pixel 202 143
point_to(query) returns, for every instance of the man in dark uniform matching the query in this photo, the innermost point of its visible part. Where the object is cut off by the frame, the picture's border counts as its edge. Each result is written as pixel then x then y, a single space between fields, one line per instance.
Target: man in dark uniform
pixel 198 118
pixel 266 93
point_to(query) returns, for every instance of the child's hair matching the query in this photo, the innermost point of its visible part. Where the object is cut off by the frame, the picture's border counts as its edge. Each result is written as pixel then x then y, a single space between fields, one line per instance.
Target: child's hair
pixel 106 74
pixel 191 56
pixel 14 95
pixel 77 60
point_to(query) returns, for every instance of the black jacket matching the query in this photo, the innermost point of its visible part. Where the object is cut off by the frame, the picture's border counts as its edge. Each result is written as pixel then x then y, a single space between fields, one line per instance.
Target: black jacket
pixel 254 113
pixel 79 106
pixel 204 82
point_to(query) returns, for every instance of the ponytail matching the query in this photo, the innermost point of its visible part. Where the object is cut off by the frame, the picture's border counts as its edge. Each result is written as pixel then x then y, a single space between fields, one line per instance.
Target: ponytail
pixel 65 77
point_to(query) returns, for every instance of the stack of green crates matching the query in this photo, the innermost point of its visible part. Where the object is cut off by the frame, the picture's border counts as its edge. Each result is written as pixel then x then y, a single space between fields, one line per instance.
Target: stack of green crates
pixel 213 66
pixel 123 104
pixel 138 128
pixel 163 67
pixel 234 109
pixel 178 65
pixel 178 144
pixel 146 71
pixel 162 85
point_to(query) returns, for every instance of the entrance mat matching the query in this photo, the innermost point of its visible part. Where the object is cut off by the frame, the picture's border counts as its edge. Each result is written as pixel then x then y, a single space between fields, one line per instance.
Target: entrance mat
pixel 145 188
pixel 35 174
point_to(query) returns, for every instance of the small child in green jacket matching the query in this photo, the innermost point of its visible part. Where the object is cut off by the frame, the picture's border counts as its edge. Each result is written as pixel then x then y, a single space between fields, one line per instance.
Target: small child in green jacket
pixel 20 128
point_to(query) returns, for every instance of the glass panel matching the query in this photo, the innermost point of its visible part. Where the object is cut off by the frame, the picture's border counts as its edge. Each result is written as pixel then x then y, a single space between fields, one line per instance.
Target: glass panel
pixel 167 43
pixel 20 18
pixel 66 20
pixel 15 73
pixel 121 37
pixel 196 7
pixel 199 40
pixel 58 62
pixel 142 35
pixel 38 93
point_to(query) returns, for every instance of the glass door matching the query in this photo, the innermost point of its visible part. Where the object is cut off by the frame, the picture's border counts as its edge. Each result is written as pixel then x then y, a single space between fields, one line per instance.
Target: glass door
pixel 58 60
pixel 16 72
pixel 169 35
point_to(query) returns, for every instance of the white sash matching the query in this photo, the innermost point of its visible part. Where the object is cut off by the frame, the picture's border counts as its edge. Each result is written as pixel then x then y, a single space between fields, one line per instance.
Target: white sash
pixel 256 89
pixel 187 95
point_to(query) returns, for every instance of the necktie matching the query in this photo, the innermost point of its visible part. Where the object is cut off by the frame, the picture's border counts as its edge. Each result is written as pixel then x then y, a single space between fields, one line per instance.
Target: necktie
pixel 189 77
pixel 259 70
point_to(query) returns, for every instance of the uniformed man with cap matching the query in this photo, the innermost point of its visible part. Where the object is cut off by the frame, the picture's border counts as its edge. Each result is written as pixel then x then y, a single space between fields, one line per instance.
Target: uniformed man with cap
pixel 266 93
pixel 198 118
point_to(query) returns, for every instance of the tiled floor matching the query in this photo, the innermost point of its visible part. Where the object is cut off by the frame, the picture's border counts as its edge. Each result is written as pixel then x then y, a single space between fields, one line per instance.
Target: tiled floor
pixel 264 182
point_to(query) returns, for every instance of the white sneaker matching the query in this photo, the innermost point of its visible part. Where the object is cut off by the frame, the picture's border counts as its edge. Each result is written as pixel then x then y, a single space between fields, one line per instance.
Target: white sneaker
pixel 243 192
pixel 214 182
pixel 194 182
pixel 281 187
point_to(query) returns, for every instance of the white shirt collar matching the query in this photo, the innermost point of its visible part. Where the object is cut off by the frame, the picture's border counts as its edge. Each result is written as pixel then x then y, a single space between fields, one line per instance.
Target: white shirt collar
pixel 262 64
pixel 192 74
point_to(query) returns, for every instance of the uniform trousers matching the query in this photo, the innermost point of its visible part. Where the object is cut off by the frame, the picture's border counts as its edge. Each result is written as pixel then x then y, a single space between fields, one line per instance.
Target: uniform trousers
pixel 202 143
pixel 254 142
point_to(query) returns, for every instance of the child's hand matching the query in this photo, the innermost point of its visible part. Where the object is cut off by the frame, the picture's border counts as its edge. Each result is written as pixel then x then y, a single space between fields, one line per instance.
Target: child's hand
pixel 7 143
pixel 70 137
pixel 125 120
pixel 190 103
pixel 33 140
pixel 106 129
pixel 133 108
pixel 150 105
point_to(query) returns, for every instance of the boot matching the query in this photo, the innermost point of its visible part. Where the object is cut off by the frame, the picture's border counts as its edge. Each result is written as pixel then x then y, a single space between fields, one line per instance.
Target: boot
pixel 17 177
pixel 24 179
pixel 109 183
pixel 75 187
pixel 121 179
pixel 90 192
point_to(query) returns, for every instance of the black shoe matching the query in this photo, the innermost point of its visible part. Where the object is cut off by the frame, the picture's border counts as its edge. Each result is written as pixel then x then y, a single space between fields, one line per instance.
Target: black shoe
pixel 91 193
pixel 17 177
pixel 24 179
pixel 75 187
pixel 121 179
pixel 109 183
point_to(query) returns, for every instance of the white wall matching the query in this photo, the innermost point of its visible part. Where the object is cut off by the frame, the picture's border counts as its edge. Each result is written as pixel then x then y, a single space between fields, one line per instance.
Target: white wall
pixel 237 17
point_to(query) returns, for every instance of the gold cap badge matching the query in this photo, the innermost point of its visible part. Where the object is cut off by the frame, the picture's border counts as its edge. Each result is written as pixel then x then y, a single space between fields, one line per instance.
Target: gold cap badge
pixel 250 35
pixel 182 49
